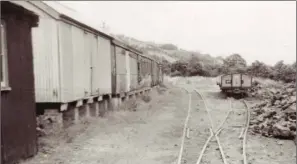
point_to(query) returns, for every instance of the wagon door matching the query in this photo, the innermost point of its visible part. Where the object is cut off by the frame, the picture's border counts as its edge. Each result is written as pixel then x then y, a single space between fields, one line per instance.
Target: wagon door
pixel 113 69
pixel 236 80
pixel 121 71
pixel 95 66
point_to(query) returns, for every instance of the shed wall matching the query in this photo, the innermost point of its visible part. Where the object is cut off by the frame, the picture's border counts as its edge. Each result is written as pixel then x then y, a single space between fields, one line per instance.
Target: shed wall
pixel 18 122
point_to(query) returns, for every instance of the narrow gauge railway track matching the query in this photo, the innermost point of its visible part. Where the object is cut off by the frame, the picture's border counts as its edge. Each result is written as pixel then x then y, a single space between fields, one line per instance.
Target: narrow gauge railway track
pixel 194 145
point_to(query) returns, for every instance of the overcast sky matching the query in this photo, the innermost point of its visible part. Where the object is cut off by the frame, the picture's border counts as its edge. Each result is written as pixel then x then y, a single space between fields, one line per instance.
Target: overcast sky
pixel 264 31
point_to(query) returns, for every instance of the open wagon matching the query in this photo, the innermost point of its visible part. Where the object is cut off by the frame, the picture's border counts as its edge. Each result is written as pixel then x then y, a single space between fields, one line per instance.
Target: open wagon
pixel 234 83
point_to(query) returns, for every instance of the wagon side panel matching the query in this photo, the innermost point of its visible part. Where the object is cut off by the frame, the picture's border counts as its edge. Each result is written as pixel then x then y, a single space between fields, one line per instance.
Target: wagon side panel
pixel 236 80
pixel 113 68
pixel 226 82
pixel 79 70
pixel 133 71
pixel 121 71
pixel 95 64
pixel 46 65
pixel 104 45
pixel 247 81
pixel 66 61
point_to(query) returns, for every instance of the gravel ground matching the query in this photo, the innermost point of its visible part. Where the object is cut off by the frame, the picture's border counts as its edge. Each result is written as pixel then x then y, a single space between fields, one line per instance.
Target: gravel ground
pixel 152 134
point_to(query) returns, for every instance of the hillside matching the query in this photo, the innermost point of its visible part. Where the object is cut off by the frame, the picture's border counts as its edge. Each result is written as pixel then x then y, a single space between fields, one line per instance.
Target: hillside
pixel 169 52
pixel 147 47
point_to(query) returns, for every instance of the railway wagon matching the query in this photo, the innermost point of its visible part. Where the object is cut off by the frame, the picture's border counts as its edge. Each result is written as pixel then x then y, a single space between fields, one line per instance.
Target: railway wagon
pixel 120 82
pixel 160 74
pixel 145 74
pixel 129 65
pixel 133 70
pixel 234 83
pixel 72 58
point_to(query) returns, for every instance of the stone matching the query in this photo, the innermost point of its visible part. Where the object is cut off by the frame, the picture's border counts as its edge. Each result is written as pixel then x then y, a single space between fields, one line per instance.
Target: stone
pixel 280 142
pixel 277 102
pixel 281 131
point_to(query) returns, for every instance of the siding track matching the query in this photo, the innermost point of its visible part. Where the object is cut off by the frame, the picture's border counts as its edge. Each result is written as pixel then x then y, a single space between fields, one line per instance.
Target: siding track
pixel 197 145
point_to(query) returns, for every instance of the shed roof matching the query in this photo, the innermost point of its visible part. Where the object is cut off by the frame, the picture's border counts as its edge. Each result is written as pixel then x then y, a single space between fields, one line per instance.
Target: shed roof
pixel 10 7
pixel 54 8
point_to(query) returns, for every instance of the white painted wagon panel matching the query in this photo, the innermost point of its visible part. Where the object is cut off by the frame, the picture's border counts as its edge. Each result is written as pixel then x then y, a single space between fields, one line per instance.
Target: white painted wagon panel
pixel 66 61
pixel 133 71
pixel 95 71
pixel 78 50
pixel 45 57
pixel 247 81
pixel 128 77
pixel 87 67
pixel 104 63
pixel 226 81
pixel 121 71
pixel 236 80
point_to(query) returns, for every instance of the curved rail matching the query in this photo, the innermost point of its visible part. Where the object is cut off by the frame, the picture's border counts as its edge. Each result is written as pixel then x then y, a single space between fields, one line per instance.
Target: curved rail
pixel 216 133
pixel 245 133
pixel 212 132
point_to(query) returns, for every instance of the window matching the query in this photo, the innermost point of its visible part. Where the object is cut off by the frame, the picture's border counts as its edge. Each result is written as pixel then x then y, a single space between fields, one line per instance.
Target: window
pixel 3 49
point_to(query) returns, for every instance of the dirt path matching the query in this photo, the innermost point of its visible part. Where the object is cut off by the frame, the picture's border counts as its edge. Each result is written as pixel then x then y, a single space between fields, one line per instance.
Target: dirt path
pixel 149 135
pixel 152 134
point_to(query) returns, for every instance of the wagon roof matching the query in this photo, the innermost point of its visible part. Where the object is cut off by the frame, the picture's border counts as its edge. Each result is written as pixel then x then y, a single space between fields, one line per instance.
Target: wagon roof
pixel 58 11
pixel 125 46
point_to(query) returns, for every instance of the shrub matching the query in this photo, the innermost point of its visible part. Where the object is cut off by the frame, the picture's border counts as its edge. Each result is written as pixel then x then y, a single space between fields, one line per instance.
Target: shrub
pixel 176 73
pixel 146 98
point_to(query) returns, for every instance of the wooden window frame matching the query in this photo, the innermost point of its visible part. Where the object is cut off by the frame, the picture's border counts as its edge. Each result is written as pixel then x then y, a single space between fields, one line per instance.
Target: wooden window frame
pixel 4 58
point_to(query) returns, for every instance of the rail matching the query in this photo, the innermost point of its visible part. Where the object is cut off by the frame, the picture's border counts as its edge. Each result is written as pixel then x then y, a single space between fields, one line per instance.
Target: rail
pixel 213 133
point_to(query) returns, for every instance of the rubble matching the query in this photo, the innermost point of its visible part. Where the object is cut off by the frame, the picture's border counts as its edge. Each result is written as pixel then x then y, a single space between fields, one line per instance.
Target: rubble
pixel 275 115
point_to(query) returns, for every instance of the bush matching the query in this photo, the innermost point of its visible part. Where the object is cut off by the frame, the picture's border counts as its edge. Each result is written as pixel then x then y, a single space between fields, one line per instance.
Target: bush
pixel 176 73
pixel 146 98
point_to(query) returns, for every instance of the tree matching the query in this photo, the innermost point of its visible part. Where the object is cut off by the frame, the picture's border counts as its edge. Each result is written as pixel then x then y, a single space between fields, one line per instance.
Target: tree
pixel 234 64
pixel 166 66
pixel 259 69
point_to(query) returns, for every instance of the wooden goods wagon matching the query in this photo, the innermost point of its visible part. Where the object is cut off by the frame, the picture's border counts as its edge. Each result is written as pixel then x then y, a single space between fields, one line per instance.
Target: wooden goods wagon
pixel 133 63
pixel 72 58
pixel 235 83
pixel 145 78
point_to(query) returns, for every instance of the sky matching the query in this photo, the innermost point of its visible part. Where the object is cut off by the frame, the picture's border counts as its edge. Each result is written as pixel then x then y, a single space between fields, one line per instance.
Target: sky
pixel 264 31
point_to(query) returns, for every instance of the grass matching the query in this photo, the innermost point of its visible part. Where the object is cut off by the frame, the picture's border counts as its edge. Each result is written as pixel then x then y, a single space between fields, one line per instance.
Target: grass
pixel 267 82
